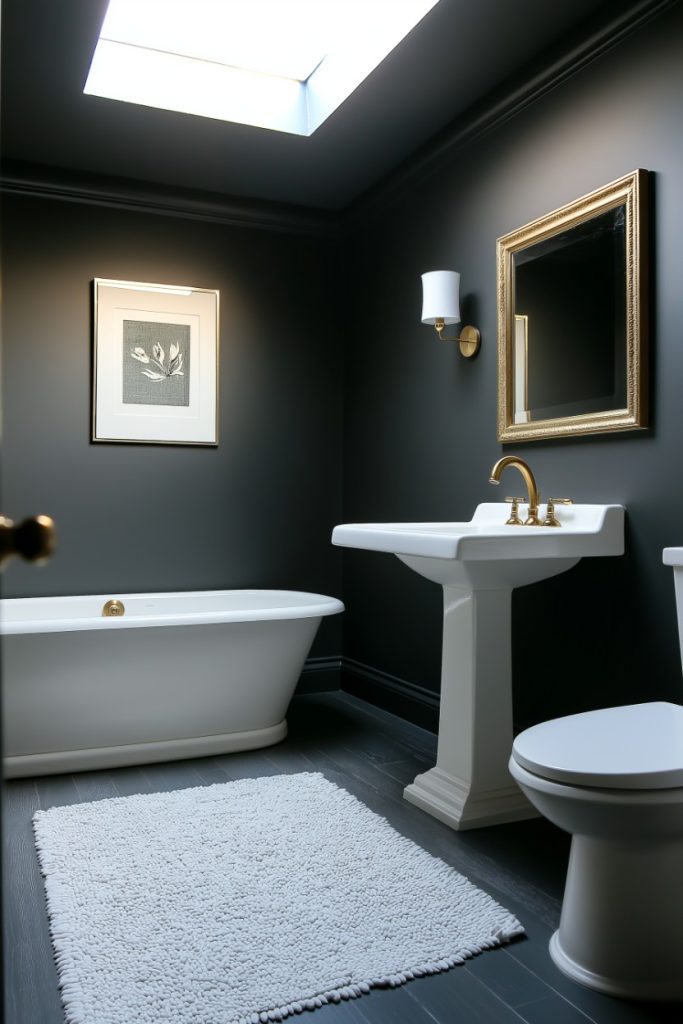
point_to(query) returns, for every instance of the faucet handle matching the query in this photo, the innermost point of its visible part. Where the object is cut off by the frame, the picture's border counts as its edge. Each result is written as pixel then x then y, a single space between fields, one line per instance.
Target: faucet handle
pixel 514 519
pixel 550 517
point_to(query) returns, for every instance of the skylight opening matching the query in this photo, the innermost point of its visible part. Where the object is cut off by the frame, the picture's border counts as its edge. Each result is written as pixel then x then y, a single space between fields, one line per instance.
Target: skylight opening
pixel 279 64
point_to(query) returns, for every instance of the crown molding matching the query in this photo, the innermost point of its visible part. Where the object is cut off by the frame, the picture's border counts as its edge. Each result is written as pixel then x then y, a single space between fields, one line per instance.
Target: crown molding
pixel 42 181
pixel 508 100
pixel 511 98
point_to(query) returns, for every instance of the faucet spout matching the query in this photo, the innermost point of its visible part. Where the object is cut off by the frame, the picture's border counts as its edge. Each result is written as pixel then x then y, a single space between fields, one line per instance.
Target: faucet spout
pixel 528 476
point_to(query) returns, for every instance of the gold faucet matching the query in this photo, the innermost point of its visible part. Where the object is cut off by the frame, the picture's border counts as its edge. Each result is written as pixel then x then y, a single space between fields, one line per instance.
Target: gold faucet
pixel 512 460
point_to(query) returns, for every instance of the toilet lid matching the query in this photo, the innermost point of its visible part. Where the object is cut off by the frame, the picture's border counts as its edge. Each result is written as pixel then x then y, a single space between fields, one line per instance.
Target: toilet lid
pixel 639 746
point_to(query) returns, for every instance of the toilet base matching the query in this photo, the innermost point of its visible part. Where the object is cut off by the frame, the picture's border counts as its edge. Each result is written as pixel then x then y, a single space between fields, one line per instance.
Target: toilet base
pixel 621 918
pixel 611 986
pixel 608 986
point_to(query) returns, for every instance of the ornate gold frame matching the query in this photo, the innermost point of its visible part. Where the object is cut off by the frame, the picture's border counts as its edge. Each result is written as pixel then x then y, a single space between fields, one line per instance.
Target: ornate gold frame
pixel 631 191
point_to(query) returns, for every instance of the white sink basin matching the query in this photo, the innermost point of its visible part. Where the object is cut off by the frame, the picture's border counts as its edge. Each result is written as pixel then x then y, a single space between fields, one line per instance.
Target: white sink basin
pixel 478 564
pixel 461 554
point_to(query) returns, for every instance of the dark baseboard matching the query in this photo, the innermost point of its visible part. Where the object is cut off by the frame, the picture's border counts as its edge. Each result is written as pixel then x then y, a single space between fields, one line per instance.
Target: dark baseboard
pixel 398 696
pixel 320 675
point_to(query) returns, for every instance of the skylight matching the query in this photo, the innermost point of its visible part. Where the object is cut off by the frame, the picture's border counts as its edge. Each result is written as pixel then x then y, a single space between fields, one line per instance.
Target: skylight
pixel 279 64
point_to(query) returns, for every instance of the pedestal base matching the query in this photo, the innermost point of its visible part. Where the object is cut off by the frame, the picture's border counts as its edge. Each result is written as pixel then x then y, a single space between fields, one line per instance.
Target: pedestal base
pixel 470 784
pixel 450 800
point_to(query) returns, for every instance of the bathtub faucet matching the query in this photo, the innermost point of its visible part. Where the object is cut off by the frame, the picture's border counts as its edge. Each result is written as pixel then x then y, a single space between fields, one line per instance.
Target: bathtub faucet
pixel 113 608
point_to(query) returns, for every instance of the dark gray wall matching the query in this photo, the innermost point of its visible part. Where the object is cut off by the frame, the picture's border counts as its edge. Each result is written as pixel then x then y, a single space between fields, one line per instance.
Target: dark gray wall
pixel 254 512
pixel 419 433
pixel 421 422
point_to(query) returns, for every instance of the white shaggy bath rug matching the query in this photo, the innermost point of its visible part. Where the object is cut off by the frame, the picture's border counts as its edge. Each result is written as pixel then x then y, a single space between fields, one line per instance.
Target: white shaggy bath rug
pixel 246 902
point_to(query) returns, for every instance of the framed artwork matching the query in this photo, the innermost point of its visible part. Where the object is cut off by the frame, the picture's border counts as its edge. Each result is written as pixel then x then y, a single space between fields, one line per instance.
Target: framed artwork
pixel 155 368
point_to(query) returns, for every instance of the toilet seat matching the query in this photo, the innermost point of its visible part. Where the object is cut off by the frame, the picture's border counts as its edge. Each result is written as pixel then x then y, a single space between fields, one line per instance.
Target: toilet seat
pixel 639 746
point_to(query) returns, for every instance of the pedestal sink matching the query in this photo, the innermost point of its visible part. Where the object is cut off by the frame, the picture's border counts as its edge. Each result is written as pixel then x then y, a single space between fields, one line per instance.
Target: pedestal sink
pixel 478 563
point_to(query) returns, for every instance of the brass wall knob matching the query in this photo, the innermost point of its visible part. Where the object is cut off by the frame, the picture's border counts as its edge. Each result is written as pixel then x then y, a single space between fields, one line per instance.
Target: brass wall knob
pixel 34 539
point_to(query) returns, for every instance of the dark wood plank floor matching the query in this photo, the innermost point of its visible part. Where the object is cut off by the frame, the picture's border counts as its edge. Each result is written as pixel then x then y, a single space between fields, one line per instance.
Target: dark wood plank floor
pixel 373 755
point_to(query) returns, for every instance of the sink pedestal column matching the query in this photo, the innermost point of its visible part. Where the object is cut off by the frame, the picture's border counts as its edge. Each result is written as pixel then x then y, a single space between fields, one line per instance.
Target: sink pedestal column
pixel 470 785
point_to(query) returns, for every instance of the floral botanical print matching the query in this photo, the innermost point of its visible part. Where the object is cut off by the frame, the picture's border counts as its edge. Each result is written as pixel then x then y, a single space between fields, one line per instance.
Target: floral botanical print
pixel 156 363
pixel 175 362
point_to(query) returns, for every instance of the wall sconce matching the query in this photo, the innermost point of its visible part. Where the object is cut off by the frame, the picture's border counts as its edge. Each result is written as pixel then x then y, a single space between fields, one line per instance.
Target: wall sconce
pixel 441 306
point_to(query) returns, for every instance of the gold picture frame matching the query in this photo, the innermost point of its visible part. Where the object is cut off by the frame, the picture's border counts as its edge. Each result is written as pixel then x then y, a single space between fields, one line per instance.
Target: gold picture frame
pixel 611 220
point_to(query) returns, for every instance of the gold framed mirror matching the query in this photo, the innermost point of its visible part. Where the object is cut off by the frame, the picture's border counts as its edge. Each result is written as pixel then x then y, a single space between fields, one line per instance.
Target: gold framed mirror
pixel 572 317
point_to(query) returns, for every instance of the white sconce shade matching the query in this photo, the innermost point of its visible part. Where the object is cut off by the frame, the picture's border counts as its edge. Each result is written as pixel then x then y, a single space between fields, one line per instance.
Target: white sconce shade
pixel 441 297
pixel 441 306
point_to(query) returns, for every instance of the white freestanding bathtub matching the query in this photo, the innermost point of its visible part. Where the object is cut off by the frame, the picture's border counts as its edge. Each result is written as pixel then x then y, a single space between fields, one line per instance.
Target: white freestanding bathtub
pixel 175 675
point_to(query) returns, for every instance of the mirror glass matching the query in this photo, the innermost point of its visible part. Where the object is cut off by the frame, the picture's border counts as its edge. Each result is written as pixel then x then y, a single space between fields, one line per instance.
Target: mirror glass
pixel 571 318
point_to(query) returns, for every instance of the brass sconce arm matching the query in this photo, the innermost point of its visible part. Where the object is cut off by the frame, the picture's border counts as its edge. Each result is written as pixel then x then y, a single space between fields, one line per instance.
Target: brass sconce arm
pixel 469 338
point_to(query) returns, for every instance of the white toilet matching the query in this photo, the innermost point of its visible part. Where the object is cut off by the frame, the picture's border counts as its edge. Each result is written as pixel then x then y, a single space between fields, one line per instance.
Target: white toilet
pixel 614 780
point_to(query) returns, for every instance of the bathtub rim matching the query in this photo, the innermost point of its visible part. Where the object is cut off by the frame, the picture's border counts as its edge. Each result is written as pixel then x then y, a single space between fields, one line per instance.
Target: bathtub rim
pixel 307 605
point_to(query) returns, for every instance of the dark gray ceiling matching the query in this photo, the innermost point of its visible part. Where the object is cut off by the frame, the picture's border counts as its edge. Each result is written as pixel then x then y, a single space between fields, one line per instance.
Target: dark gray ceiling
pixel 460 52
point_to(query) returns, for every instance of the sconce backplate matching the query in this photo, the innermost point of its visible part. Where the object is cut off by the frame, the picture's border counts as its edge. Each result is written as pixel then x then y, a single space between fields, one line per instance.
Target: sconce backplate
pixel 469 340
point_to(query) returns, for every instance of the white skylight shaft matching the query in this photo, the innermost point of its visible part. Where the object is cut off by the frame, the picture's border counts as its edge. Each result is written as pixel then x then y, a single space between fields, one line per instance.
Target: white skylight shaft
pixel 276 37
pixel 156 79
pixel 281 64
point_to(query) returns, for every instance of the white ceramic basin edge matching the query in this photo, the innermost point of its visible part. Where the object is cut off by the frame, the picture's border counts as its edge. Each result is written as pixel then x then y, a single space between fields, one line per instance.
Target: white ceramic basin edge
pixel 479 563
pixel 586 530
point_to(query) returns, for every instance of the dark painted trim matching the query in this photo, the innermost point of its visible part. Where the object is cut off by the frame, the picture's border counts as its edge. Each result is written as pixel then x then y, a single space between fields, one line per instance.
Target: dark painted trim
pixel 400 697
pixel 320 675
pixel 508 100
pixel 128 194
pixel 407 700
pixel 513 96
pixel 333 663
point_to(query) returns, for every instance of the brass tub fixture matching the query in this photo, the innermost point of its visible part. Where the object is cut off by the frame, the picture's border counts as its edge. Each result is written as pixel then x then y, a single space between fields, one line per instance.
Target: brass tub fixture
pixel 532 490
pixel 114 608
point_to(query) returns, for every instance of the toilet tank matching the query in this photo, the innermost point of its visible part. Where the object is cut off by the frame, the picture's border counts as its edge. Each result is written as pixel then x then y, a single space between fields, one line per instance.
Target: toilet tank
pixel 674 557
